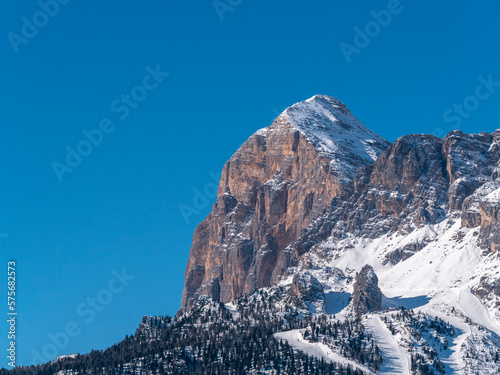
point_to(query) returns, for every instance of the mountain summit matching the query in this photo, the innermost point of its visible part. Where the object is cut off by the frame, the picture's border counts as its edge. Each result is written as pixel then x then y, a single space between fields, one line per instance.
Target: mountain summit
pixel 332 129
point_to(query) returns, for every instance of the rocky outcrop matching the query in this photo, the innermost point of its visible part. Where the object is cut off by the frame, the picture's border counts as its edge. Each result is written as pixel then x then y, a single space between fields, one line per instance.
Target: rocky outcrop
pixel 308 292
pixel 489 209
pixel 366 295
pixel 402 253
pixel 480 208
pixel 407 186
pixel 419 180
pixel 488 286
pixel 306 286
pixel 271 190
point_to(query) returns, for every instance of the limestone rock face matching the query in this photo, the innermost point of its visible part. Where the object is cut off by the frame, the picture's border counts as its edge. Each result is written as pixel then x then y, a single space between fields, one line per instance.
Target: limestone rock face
pixel 480 207
pixel 421 180
pixel 272 188
pixel 468 164
pixel 366 296
pixel 487 286
pixel 405 188
pixel 407 185
pixel 489 209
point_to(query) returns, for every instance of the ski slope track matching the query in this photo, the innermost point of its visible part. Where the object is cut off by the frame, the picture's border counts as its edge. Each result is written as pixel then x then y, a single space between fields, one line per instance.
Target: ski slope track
pixel 476 311
pixel 396 360
pixel 316 349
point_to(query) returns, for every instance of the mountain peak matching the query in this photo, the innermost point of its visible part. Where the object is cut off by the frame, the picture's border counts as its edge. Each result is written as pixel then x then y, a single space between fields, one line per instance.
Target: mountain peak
pixel 327 98
pixel 271 190
pixel 329 125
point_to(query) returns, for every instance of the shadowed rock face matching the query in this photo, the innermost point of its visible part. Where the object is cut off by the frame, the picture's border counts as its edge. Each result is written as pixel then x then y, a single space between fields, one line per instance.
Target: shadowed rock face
pixel 490 223
pixel 317 173
pixel 487 286
pixel 420 180
pixel 407 186
pixel 307 287
pixel 308 292
pixel 481 205
pixel 366 295
pixel 271 189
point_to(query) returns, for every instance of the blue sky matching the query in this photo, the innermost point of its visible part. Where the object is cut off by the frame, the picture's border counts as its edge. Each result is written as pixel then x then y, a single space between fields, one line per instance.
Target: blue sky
pixel 430 68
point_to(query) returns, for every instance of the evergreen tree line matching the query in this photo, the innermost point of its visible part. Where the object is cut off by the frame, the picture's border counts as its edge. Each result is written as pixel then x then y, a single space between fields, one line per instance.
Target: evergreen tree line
pixel 207 340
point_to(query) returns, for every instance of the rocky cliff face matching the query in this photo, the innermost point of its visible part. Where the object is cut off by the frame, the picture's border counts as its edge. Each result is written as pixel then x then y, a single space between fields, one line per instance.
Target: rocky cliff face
pixel 366 296
pixel 308 293
pixel 420 180
pixel 317 176
pixel 281 180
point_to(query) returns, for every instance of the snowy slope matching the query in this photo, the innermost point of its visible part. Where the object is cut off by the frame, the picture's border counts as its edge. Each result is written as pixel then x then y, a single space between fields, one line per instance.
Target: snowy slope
pixel 396 359
pixel 423 279
pixel 296 340
pixel 437 280
pixel 233 310
pixel 335 132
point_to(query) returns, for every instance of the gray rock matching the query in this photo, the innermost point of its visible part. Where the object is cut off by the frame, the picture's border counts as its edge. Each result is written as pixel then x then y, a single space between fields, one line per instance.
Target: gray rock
pixel 366 296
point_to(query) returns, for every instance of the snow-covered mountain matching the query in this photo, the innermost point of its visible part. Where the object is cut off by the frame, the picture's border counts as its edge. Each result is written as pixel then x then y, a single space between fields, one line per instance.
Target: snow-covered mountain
pixel 283 178
pixel 330 250
pixel 423 212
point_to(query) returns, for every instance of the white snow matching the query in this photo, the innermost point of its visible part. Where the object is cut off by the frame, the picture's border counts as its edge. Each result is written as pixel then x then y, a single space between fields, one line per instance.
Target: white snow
pixel 476 311
pixel 436 280
pixel 335 132
pixel 443 264
pixel 233 310
pixel 493 197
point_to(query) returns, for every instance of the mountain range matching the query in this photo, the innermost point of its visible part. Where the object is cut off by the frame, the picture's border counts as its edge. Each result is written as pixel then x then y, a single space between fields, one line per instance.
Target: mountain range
pixel 330 250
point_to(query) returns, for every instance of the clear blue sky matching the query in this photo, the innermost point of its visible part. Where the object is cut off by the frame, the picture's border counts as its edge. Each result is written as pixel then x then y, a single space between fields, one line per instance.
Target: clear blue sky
pixel 119 207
